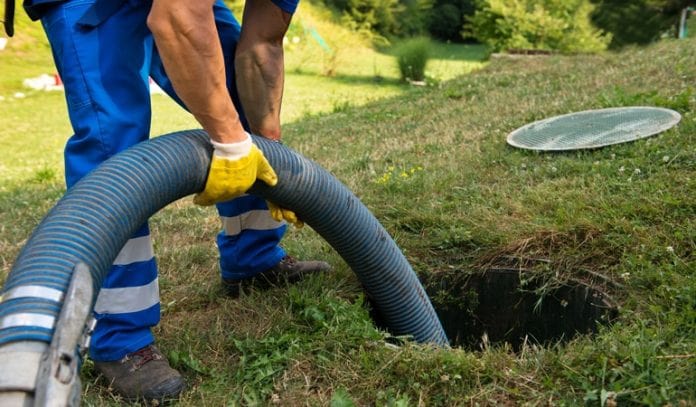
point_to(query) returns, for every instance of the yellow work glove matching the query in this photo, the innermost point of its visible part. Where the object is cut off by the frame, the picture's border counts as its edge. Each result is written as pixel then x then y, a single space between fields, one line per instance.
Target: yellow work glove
pixel 233 170
pixel 281 214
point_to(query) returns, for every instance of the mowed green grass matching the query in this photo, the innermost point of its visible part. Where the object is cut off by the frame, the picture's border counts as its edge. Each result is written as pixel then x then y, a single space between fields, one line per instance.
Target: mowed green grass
pixel 432 165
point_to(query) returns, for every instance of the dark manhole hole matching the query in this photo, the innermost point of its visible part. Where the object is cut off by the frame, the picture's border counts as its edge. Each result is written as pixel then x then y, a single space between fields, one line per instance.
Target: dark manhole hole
pixel 499 306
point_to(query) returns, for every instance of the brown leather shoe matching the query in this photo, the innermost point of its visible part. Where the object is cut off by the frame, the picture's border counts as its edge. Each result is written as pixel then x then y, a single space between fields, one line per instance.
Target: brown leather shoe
pixel 143 375
pixel 288 270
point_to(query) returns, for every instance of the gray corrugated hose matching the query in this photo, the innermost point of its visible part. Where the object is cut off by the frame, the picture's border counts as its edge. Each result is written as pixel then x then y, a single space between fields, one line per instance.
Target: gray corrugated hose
pixel 95 218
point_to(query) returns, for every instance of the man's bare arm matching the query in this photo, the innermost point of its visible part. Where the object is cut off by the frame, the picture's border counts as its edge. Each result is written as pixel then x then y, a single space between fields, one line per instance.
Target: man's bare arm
pixel 259 65
pixel 188 42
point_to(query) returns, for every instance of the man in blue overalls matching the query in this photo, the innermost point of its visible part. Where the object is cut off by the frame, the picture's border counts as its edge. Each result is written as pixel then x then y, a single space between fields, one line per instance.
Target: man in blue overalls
pixel 105 52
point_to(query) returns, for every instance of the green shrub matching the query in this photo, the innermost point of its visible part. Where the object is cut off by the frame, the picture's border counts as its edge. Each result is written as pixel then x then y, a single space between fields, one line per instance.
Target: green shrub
pixel 412 56
pixel 638 21
pixel 554 25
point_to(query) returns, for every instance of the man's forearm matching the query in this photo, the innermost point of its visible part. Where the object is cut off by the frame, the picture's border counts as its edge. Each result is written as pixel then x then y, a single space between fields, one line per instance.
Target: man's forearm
pixel 260 80
pixel 259 65
pixel 189 45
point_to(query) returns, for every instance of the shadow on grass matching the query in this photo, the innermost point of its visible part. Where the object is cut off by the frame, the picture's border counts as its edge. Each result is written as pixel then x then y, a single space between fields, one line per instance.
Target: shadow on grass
pixel 353 79
pixel 449 52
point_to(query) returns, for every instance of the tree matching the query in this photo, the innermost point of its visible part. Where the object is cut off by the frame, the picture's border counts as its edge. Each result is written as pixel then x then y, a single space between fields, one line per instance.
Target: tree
pixel 447 19
pixel 638 21
pixel 554 25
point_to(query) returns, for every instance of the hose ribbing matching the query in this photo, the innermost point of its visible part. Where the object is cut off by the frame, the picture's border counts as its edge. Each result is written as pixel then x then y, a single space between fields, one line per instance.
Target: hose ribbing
pixel 96 217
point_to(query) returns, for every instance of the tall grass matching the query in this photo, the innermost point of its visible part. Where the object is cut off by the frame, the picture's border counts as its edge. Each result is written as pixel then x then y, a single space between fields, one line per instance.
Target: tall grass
pixel 412 56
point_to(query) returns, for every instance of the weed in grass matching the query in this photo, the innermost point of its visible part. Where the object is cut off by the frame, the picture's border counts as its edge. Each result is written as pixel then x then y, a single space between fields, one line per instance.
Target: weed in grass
pixel 333 321
pixel 326 315
pixel 341 398
pixel 185 360
pixel 394 176
pixel 453 237
pixel 681 102
pixel 45 175
pixel 261 361
pixel 341 106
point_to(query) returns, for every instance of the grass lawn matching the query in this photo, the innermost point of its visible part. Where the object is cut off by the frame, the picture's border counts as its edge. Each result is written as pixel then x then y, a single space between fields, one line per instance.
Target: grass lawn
pixel 432 164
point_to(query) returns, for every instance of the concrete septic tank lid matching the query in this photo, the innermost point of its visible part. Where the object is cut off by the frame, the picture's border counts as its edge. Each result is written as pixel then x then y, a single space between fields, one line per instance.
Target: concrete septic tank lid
pixel 593 128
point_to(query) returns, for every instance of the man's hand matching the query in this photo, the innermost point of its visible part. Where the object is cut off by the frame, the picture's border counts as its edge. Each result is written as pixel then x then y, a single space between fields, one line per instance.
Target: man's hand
pixel 281 214
pixel 233 170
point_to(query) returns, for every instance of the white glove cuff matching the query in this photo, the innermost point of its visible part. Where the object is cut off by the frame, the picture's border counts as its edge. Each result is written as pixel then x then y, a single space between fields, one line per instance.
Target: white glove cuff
pixel 232 151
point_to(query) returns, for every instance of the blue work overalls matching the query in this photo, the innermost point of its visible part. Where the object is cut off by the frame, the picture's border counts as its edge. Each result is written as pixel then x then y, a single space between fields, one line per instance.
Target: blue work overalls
pixel 105 55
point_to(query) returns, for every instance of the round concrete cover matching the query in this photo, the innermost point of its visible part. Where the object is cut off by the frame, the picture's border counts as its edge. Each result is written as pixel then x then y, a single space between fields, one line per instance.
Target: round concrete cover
pixel 593 128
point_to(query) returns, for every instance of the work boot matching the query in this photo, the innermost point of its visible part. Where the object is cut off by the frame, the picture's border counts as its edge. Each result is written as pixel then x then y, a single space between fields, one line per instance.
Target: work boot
pixel 288 270
pixel 143 375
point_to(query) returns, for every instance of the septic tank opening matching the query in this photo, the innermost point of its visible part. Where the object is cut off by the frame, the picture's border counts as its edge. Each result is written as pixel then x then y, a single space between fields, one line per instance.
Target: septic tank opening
pixel 501 306
pixel 506 306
